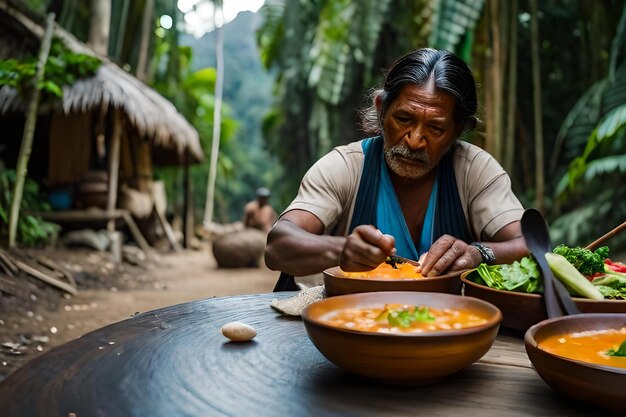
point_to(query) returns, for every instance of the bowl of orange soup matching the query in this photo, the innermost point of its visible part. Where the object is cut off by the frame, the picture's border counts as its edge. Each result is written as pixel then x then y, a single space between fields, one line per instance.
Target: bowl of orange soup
pixel 582 356
pixel 406 337
pixel 386 278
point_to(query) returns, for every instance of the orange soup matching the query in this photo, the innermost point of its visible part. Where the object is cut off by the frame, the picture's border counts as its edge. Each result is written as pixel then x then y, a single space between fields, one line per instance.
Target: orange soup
pixel 589 346
pixel 386 271
pixel 399 318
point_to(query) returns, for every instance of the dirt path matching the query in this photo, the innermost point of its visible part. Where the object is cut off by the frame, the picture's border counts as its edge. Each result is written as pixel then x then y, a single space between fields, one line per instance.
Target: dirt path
pixel 174 279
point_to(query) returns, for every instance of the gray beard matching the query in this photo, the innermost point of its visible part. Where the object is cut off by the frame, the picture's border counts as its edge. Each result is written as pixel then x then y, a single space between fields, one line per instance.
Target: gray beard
pixel 404 170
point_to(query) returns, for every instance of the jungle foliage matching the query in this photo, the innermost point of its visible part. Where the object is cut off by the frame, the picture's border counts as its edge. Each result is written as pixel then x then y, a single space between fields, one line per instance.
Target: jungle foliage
pixel 31 230
pixel 63 67
pixel 327 54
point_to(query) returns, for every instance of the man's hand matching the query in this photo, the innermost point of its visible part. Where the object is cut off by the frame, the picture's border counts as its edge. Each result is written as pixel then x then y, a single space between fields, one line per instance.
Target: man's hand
pixel 449 253
pixel 366 248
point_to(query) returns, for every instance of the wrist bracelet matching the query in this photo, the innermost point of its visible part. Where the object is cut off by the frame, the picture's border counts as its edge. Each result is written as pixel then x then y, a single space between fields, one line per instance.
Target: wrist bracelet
pixel 486 252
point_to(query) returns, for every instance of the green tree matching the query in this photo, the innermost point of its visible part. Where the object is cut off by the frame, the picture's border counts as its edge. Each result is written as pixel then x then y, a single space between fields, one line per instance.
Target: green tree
pixel 328 53
pixel 592 188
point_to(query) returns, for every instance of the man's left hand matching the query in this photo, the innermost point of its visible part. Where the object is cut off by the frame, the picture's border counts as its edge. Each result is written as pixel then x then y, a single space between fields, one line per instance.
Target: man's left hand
pixel 449 254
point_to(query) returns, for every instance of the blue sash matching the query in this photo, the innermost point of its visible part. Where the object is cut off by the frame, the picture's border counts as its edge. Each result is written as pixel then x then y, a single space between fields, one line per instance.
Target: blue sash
pixel 444 214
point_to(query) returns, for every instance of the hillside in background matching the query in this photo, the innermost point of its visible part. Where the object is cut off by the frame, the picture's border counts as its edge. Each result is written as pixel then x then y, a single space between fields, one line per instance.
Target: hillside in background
pixel 247 92
pixel 247 85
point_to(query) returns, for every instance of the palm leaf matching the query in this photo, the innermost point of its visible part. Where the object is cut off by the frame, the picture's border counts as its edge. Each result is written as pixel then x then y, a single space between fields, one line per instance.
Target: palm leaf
pixel 270 35
pixel 345 37
pixel 612 122
pixel 595 104
pixel 618 48
pixel 614 164
pixel 453 19
pixel 581 121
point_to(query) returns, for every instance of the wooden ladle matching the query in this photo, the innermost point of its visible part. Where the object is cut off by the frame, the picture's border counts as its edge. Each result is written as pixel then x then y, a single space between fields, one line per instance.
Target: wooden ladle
pixel 556 297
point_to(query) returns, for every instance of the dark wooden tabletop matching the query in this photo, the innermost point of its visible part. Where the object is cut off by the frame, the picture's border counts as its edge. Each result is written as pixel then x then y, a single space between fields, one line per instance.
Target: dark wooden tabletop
pixel 175 362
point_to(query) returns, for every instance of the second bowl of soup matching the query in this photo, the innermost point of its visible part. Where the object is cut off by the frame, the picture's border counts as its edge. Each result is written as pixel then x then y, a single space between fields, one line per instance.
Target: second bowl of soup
pixel 582 356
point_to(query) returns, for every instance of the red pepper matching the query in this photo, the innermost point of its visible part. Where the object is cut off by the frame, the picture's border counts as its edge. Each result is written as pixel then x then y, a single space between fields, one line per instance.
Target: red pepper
pixel 615 266
pixel 594 275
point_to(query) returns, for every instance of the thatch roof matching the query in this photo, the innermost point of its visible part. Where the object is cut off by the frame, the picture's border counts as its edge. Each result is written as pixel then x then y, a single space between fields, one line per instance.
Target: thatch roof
pixel 147 111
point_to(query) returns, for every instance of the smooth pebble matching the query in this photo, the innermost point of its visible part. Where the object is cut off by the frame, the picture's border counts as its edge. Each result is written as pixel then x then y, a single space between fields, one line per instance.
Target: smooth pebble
pixel 237 331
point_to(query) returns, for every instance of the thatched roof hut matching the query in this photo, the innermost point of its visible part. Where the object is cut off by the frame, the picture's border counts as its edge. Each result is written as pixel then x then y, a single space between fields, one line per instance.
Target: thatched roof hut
pixel 149 113
pixel 101 139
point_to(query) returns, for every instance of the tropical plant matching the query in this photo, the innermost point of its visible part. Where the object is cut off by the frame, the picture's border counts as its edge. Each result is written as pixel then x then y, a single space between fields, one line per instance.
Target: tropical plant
pixel 592 188
pixel 31 230
pixel 63 67
pixel 328 53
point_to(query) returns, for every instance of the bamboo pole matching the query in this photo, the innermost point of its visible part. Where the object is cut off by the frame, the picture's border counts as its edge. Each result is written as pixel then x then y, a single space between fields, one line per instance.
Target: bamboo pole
pixel 496 77
pixel 539 171
pixel 29 131
pixel 144 45
pixel 100 26
pixel 217 120
pixel 509 148
pixel 114 166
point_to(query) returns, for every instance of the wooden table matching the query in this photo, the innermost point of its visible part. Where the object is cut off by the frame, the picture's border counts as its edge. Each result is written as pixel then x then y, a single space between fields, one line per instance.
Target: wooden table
pixel 175 362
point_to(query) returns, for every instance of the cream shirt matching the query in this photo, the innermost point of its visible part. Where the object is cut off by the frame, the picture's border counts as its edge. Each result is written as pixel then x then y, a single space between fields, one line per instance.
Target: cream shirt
pixel 329 188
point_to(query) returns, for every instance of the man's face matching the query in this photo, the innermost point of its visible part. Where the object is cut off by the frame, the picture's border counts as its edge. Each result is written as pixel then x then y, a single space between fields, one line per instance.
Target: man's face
pixel 418 129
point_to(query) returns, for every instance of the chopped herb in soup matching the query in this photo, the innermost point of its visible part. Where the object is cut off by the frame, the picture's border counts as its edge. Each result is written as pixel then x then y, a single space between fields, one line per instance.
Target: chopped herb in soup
pixel 399 318
pixel 386 271
pixel 602 347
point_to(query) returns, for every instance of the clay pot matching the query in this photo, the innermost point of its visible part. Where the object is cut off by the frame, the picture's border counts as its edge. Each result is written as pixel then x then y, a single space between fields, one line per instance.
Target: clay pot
pixel 241 249
pixel 93 190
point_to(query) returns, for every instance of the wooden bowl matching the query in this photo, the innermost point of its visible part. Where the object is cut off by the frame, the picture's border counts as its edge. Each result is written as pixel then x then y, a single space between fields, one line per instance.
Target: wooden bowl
pixel 522 310
pixel 598 385
pixel 416 358
pixel 336 283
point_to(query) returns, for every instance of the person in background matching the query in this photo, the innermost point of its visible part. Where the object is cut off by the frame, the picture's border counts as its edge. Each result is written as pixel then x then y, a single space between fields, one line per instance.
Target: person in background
pixel 413 189
pixel 258 214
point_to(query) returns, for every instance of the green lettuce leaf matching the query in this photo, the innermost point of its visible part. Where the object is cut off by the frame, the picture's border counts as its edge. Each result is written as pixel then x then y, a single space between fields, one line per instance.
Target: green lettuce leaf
pixel 520 276
pixel 611 286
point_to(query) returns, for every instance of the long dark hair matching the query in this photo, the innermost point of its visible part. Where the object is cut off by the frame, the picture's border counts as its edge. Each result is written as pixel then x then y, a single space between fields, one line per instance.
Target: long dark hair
pixel 450 74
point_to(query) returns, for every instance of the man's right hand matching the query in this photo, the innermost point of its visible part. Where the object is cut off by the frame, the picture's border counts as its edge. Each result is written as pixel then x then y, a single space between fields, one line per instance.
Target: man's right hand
pixel 366 248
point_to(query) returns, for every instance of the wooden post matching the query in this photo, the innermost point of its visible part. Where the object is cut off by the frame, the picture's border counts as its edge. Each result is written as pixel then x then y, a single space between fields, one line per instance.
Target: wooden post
pixel 114 171
pixel 187 204
pixel 29 131
pixel 114 165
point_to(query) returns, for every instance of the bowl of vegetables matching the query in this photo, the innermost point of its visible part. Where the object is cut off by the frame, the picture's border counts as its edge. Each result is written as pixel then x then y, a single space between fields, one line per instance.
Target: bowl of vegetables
pixel 594 281
pixel 582 356
pixel 387 277
pixel 405 337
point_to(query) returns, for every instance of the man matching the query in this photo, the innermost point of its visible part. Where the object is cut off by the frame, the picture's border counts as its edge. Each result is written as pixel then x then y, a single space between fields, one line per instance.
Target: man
pixel 258 214
pixel 415 190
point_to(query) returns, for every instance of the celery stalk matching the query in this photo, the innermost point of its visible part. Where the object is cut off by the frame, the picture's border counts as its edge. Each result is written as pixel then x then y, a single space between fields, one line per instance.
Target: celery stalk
pixel 575 282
